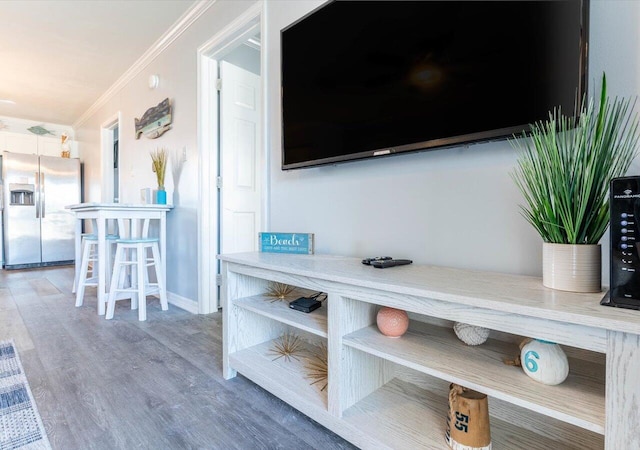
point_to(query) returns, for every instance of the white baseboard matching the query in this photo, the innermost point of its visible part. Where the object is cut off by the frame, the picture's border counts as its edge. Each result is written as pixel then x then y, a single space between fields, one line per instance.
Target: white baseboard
pixel 182 302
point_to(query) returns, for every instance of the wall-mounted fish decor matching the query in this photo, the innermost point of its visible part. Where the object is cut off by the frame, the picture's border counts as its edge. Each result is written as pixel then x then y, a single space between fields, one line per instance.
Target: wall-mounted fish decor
pixel 155 121
pixel 39 130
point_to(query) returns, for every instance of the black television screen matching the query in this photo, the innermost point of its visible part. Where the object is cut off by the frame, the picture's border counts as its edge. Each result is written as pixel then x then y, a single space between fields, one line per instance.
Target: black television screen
pixel 369 78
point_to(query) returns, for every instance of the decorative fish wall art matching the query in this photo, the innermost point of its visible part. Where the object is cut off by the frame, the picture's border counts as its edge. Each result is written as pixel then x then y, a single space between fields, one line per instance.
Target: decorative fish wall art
pixel 155 121
pixel 39 130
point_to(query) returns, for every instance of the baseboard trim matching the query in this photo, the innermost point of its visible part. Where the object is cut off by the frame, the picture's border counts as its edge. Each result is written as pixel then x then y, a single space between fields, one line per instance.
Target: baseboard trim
pixel 183 303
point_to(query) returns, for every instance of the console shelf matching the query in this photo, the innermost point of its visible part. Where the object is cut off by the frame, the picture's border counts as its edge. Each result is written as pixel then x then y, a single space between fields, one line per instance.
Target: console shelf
pixel 436 351
pixel 392 393
pixel 397 414
pixel 284 378
pixel 314 322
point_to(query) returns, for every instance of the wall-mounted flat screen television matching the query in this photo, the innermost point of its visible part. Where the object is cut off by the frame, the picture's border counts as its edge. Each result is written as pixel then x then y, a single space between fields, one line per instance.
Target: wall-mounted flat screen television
pixel 373 78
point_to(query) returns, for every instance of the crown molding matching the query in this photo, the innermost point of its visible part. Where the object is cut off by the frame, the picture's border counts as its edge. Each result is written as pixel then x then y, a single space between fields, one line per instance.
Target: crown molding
pixel 181 25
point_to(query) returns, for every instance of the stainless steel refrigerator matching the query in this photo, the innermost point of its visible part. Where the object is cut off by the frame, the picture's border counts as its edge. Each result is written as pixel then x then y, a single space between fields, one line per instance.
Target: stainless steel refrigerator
pixel 38 230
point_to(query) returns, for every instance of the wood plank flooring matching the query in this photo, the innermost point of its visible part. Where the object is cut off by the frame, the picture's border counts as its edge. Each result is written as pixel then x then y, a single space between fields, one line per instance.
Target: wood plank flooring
pixel 125 384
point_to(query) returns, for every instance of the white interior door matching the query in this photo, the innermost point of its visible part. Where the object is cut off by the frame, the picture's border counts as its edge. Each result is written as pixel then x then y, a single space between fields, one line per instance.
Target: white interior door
pixel 240 159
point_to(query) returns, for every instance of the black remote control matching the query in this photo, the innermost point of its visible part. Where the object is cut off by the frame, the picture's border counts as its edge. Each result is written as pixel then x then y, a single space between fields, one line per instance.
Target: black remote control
pixel 368 261
pixel 390 263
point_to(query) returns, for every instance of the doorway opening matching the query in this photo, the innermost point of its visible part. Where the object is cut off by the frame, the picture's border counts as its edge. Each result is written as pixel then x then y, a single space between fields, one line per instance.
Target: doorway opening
pixel 233 162
pixel 110 138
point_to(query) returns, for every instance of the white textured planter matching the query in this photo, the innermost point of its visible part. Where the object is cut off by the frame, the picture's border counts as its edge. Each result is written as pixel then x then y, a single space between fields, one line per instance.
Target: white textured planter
pixel 570 267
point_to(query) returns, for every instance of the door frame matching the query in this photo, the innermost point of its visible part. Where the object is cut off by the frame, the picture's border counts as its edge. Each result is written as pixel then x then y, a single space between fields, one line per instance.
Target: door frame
pixel 106 155
pixel 208 55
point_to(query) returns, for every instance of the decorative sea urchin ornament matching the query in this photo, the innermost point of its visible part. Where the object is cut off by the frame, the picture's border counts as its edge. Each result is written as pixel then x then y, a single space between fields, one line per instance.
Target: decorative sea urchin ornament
pixel 471 334
pixel 317 365
pixel 287 346
pixel 279 292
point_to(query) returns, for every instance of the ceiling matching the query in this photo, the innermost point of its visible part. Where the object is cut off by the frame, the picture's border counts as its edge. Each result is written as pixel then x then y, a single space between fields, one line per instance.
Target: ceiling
pixel 57 57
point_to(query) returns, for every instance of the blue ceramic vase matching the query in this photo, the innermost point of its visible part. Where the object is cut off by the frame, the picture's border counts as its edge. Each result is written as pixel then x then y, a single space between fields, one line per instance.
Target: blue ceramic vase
pixel 161 197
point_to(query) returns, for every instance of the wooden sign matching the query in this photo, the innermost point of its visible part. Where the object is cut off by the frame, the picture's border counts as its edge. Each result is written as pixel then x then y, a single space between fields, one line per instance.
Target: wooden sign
pixel 298 243
pixel 155 121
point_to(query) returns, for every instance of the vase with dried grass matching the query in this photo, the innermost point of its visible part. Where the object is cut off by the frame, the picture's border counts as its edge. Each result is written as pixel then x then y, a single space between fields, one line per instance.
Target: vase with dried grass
pixel 159 164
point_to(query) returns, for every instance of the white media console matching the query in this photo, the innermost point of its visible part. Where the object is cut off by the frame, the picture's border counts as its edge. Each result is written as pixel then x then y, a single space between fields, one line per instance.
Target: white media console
pixel 392 393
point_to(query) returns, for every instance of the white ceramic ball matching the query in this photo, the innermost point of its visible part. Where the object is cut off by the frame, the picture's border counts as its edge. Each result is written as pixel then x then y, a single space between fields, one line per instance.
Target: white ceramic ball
pixel 471 334
pixel 544 361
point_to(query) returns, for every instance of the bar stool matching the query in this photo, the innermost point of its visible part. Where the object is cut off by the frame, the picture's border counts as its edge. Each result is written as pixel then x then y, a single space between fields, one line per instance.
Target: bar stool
pixel 94 227
pixel 134 252
pixel 90 255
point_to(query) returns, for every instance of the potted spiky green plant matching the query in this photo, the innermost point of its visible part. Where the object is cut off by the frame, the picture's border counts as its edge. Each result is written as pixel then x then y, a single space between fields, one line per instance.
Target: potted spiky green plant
pixel 563 172
pixel 159 164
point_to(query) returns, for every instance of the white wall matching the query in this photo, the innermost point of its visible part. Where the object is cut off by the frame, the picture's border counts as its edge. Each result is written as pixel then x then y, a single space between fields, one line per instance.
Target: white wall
pixel 246 58
pixel 615 49
pixel 455 207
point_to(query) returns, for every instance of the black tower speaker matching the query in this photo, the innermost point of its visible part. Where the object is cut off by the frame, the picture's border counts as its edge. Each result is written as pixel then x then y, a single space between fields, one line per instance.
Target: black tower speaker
pixel 625 243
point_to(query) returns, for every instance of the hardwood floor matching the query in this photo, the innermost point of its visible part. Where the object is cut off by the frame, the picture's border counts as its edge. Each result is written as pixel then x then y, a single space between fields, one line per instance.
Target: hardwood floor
pixel 125 384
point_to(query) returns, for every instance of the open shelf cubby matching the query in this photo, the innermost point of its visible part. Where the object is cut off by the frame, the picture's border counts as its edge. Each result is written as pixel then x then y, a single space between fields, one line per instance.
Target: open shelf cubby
pixel 404 415
pixel 386 393
pixel 314 322
pixel 283 377
pixel 436 351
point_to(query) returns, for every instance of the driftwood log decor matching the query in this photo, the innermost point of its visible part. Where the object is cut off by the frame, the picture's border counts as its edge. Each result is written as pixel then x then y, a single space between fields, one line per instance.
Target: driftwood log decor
pixel 155 121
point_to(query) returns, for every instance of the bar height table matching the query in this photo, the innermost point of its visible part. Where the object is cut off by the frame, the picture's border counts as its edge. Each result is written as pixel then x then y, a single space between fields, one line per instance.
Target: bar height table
pixel 101 213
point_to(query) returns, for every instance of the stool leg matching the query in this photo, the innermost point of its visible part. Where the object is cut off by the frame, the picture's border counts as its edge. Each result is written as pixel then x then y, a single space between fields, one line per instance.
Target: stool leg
pixel 133 278
pixel 140 270
pixel 117 280
pixel 155 250
pixel 76 278
pixel 107 259
pixel 84 268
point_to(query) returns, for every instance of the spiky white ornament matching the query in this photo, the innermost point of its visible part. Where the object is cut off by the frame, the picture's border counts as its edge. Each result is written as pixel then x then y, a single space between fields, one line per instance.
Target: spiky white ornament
pixel 471 334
